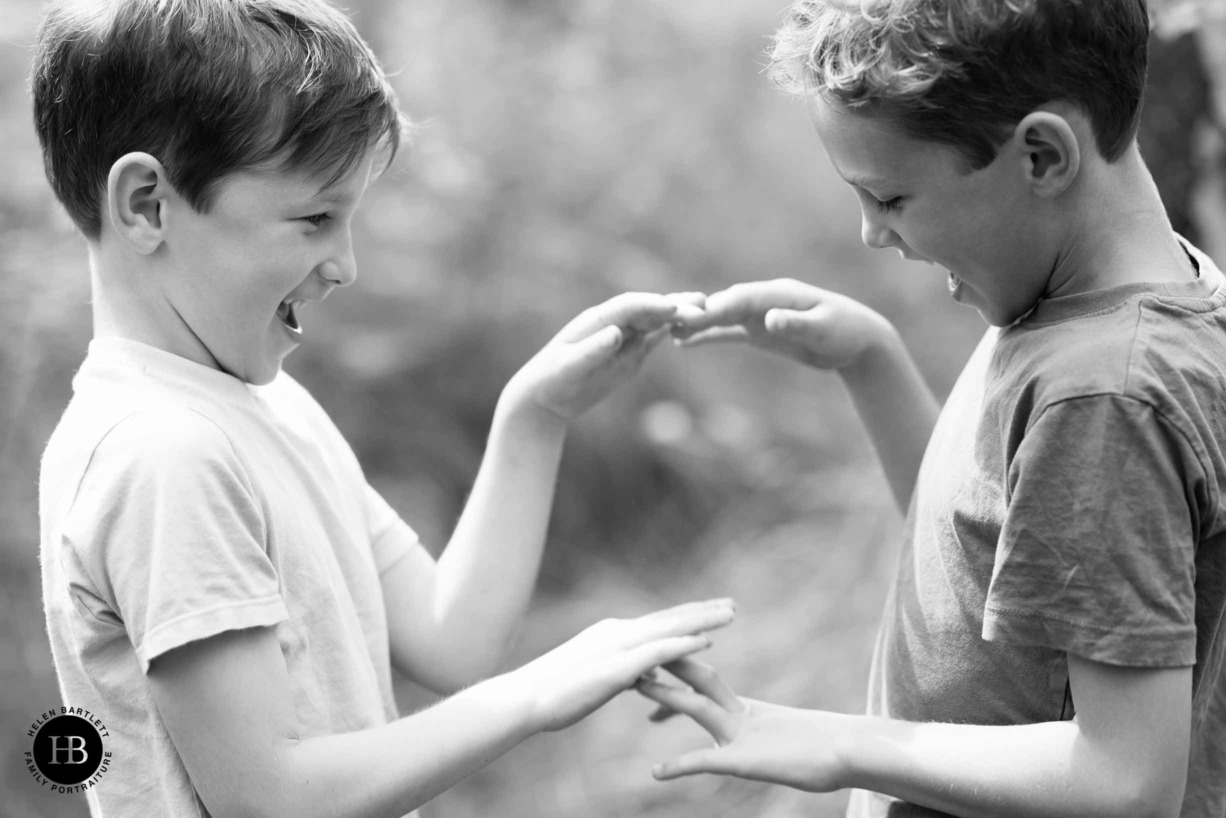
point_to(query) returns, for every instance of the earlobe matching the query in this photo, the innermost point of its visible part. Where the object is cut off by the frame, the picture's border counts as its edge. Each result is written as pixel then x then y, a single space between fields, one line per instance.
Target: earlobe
pixel 136 192
pixel 1050 151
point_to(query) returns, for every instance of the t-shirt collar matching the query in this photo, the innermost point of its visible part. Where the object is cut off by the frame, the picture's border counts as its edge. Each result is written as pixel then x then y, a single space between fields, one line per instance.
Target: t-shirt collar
pixel 112 357
pixel 1208 288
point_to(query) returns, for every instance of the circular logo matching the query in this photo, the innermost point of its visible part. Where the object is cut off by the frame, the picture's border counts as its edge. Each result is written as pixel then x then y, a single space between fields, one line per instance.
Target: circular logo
pixel 67 750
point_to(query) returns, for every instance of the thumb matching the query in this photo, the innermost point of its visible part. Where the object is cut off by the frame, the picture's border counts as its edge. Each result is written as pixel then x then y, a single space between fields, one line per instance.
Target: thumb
pixel 593 350
pixel 784 322
pixel 699 761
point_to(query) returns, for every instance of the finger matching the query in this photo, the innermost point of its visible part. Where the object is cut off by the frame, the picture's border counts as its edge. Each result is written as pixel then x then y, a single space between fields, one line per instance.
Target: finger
pixel 591 352
pixel 799 323
pixel 680 620
pixel 689 307
pixel 661 651
pixel 699 761
pixel 714 335
pixel 652 339
pixel 703 678
pixel 748 302
pixel 694 299
pixel 783 321
pixel 661 713
pixel 710 716
pixel 641 311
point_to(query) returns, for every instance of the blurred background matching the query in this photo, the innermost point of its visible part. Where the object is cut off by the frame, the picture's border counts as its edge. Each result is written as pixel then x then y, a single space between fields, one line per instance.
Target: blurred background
pixel 570 150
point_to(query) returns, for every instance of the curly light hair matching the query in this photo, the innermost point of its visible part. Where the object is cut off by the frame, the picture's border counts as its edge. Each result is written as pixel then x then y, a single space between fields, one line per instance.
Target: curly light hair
pixel 964 72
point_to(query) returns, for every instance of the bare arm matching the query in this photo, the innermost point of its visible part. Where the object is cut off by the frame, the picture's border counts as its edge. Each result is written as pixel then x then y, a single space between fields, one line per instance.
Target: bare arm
pixel 452 623
pixel 829 331
pixel 1126 754
pixel 227 704
pixel 897 408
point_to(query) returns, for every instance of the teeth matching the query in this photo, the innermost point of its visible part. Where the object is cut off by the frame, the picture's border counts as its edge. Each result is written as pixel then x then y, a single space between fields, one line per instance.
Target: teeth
pixel 954 282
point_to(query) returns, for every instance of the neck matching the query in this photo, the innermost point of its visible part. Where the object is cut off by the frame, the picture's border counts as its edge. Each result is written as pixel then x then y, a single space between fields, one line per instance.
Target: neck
pixel 1121 234
pixel 125 307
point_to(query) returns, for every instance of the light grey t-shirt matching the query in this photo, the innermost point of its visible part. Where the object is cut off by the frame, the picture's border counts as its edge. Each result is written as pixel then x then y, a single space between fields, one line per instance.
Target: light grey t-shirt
pixel 1070 500
pixel 177 503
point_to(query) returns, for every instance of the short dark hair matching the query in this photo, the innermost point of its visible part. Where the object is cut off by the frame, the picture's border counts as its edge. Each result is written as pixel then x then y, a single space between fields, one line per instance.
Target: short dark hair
pixel 964 72
pixel 207 87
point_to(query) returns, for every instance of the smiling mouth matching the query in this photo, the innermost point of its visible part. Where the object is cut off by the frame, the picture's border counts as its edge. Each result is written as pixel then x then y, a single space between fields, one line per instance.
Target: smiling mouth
pixel 287 312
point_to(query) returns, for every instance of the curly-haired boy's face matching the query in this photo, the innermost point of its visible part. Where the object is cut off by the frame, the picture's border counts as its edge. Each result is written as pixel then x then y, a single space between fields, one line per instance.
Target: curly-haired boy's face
pixel 918 198
pixel 238 276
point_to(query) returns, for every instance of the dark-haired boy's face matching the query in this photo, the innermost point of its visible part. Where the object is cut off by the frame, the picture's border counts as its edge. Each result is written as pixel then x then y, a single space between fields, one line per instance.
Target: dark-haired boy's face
pixel 918 198
pixel 239 275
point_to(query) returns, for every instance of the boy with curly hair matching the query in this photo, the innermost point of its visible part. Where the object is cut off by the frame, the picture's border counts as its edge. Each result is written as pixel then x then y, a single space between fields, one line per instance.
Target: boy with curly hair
pixel 1053 642
pixel 222 587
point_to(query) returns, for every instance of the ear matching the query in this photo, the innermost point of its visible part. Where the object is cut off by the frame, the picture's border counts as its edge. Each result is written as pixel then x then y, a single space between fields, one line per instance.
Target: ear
pixel 1049 150
pixel 136 193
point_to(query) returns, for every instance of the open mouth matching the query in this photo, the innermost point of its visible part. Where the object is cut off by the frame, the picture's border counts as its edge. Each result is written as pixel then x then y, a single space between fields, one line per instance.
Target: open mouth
pixel 287 312
pixel 955 285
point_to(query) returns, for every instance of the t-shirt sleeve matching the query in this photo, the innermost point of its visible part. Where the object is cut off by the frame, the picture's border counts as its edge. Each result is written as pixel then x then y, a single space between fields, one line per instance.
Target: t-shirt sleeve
pixel 391 538
pixel 168 525
pixel 1096 553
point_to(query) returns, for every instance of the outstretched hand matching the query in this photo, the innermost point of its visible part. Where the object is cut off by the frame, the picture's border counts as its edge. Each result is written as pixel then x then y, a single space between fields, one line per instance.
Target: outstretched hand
pixel 816 327
pixel 599 350
pixel 754 740
pixel 579 676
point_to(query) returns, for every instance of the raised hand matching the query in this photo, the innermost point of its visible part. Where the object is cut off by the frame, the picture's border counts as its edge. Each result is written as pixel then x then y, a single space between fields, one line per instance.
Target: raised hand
pixel 577 677
pixel 598 351
pixel 808 324
pixel 755 740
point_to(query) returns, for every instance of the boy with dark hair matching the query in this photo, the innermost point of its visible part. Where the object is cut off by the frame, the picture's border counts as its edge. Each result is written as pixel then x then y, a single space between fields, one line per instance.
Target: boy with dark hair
pixel 1053 642
pixel 222 587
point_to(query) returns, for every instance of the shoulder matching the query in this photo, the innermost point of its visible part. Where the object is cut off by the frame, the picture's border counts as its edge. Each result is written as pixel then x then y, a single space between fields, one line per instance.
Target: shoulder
pixel 1146 349
pixel 163 447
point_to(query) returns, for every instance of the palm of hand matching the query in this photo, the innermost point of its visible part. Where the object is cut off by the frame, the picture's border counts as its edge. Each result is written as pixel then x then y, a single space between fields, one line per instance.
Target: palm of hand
pixel 597 351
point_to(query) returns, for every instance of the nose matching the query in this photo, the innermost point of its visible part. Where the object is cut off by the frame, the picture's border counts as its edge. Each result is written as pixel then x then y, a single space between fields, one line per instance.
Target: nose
pixel 875 234
pixel 340 269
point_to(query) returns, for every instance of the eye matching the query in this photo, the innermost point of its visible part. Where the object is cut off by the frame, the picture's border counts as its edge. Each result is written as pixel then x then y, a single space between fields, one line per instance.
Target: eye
pixel 316 219
pixel 888 205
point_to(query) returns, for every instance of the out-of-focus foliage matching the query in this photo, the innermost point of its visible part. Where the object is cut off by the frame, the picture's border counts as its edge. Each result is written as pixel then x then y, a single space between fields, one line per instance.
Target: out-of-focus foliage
pixel 568 150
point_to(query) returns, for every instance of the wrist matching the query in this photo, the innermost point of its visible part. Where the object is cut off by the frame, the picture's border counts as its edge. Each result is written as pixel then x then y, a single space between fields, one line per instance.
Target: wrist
pixel 881 351
pixel 510 700
pixel 848 738
pixel 520 415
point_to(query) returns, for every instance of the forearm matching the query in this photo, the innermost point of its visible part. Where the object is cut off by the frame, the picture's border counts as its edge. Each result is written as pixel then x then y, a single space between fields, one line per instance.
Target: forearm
pixel 1047 769
pixel 487 573
pixel 393 769
pixel 897 408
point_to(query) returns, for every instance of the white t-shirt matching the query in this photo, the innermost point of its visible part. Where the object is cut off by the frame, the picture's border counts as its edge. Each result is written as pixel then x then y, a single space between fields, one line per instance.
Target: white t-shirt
pixel 177 503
